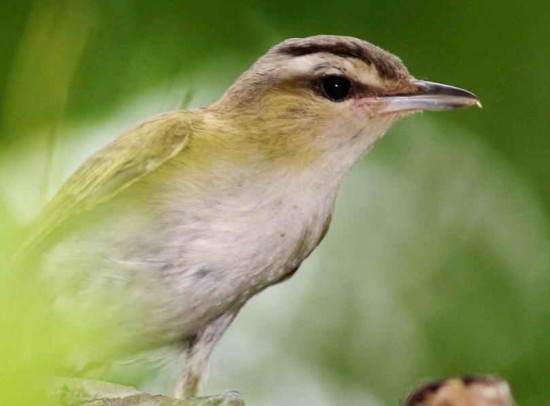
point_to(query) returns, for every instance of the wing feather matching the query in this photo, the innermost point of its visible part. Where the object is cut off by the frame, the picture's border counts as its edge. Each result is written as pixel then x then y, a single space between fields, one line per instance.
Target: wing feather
pixel 121 163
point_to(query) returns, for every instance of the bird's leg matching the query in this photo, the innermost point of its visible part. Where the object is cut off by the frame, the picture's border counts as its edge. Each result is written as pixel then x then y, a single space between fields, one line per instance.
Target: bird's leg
pixel 197 356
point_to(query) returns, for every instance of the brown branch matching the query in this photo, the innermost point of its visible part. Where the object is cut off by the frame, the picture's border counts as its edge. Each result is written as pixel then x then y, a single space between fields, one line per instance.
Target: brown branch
pixel 82 392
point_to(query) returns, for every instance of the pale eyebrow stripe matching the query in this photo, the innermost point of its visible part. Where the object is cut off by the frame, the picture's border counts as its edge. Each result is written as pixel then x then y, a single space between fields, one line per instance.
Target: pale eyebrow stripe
pixel 320 66
pixel 323 65
pixel 388 65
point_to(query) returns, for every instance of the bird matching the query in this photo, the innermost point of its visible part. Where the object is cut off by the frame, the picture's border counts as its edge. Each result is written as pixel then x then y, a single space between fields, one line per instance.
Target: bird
pixel 161 237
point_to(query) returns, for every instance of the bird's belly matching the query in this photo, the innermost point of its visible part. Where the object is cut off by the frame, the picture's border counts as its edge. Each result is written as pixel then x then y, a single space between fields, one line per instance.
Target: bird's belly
pixel 224 263
pixel 163 278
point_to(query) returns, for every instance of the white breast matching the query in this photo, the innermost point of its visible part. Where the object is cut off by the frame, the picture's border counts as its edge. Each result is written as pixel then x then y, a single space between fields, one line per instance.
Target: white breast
pixel 236 244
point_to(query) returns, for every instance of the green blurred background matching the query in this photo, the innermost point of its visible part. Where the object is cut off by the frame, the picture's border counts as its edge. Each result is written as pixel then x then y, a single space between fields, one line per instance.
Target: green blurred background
pixel 438 260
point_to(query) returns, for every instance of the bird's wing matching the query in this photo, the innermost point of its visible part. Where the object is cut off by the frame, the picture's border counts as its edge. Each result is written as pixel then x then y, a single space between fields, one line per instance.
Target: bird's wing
pixel 112 169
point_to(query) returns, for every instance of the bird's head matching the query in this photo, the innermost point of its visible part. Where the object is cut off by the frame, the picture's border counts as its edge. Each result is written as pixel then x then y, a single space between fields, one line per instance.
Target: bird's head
pixel 321 92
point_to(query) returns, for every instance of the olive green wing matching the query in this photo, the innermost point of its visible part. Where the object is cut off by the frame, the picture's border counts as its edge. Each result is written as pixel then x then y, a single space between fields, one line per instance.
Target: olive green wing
pixel 112 169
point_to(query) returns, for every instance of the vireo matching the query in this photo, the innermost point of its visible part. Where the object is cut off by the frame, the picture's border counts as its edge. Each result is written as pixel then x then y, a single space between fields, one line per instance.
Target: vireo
pixel 164 234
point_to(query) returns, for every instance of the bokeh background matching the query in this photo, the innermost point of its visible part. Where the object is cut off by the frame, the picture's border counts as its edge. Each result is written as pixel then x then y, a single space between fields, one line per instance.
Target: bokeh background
pixel 438 260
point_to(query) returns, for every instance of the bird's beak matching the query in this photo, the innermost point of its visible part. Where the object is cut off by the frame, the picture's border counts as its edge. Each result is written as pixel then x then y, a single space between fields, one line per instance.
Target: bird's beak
pixel 429 96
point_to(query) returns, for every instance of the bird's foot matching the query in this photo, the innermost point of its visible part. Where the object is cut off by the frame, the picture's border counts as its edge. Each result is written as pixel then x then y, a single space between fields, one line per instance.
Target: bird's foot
pixel 229 398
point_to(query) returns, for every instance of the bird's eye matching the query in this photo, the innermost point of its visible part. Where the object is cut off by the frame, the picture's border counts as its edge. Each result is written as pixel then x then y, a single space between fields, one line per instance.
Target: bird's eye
pixel 335 88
